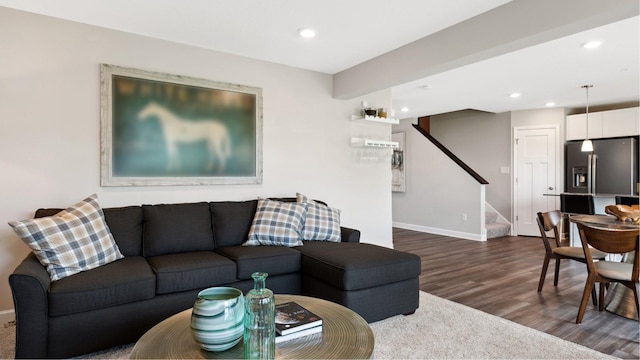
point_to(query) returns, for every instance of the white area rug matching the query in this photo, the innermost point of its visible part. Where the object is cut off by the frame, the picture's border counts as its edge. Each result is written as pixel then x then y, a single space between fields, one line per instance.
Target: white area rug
pixel 440 329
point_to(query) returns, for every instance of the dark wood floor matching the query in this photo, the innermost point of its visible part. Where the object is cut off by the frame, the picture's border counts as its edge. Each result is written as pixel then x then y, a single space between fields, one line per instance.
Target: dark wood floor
pixel 500 277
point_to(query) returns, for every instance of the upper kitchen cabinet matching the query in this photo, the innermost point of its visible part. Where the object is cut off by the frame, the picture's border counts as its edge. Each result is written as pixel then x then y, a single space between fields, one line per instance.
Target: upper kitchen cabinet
pixel 622 122
pixel 603 124
pixel 577 126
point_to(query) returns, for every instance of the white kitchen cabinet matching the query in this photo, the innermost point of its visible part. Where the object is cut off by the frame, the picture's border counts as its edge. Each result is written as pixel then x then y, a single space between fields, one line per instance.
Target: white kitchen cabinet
pixel 622 122
pixel 577 126
pixel 603 124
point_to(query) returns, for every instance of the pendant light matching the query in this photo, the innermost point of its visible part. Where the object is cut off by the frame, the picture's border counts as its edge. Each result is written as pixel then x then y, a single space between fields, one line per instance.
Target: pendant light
pixel 587 145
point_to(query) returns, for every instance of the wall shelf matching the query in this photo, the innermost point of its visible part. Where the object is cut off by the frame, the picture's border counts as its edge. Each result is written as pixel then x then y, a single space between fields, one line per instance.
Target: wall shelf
pixel 372 143
pixel 375 119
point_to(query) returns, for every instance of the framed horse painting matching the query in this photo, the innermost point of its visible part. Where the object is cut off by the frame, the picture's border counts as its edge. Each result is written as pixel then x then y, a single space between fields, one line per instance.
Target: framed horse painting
pixel 163 129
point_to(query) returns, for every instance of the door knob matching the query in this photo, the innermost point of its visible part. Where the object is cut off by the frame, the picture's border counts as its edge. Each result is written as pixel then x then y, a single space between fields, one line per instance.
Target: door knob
pixel 550 187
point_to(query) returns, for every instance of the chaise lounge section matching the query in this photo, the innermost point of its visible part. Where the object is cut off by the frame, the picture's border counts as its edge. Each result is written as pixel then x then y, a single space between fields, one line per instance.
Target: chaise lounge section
pixel 171 252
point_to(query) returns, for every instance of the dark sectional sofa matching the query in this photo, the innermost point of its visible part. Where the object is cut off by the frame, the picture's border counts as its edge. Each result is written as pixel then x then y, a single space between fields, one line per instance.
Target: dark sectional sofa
pixel 172 251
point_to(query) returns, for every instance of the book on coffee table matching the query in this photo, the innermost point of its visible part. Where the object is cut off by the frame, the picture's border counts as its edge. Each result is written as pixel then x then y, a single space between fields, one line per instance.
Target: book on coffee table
pixel 298 334
pixel 291 318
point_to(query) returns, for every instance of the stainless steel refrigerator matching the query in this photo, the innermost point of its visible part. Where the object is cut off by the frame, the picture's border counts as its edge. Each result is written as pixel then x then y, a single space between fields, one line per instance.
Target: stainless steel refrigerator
pixel 612 167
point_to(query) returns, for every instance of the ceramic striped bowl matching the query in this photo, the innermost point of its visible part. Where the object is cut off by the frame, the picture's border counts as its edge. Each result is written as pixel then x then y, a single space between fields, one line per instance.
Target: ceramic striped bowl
pixel 217 318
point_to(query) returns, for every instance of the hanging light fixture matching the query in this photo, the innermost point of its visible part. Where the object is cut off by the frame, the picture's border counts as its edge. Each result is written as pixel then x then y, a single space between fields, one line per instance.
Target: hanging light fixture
pixel 587 145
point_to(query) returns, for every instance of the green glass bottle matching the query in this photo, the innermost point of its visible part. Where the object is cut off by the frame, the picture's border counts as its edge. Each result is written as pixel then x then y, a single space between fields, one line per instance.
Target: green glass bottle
pixel 259 320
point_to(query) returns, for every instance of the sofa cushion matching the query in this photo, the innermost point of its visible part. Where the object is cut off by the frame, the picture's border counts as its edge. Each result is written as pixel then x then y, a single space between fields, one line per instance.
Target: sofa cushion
pixel 123 281
pixel 74 240
pixel 353 266
pixel 322 222
pixel 274 260
pixel 177 228
pixel 191 270
pixel 232 221
pixel 125 224
pixel 277 223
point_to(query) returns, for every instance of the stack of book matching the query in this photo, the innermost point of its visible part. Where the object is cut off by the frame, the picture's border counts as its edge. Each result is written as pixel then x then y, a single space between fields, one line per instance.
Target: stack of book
pixel 294 321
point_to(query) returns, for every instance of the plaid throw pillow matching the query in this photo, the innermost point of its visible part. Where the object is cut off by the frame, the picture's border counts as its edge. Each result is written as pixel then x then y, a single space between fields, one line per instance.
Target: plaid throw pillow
pixel 277 223
pixel 74 240
pixel 322 223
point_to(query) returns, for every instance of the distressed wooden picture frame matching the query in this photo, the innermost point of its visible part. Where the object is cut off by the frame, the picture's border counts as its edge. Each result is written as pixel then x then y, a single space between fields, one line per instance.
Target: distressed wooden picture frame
pixel 398 161
pixel 163 129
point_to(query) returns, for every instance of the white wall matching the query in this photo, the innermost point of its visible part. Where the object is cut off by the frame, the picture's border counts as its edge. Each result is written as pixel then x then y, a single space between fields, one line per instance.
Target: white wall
pixel 482 141
pixel 553 116
pixel 438 191
pixel 50 147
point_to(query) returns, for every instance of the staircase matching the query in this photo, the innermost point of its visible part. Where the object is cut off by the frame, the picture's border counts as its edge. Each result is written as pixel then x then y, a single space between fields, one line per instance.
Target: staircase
pixel 495 228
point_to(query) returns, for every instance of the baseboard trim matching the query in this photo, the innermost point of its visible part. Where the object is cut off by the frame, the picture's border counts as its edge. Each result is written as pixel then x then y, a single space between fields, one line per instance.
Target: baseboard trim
pixel 7 316
pixel 437 231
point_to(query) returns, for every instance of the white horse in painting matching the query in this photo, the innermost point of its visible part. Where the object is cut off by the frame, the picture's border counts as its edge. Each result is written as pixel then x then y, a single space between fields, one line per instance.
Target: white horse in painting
pixel 177 130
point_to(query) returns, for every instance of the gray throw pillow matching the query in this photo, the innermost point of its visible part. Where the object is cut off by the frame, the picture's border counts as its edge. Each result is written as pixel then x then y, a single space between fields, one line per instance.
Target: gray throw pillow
pixel 322 222
pixel 277 223
pixel 74 240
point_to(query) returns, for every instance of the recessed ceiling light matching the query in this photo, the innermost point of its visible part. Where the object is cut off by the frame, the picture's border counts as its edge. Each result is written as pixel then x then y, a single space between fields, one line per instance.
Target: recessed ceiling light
pixel 404 109
pixel 515 95
pixel 592 44
pixel 550 104
pixel 307 32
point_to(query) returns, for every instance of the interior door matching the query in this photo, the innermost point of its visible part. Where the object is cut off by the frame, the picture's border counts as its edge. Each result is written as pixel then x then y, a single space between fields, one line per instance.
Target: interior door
pixel 536 151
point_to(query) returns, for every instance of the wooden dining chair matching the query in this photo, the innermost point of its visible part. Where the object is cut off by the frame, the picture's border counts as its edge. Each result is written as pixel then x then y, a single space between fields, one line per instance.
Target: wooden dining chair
pixel 612 241
pixel 551 221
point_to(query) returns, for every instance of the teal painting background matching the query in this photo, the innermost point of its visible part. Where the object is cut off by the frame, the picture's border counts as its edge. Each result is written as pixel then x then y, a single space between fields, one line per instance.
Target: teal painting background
pixel 139 148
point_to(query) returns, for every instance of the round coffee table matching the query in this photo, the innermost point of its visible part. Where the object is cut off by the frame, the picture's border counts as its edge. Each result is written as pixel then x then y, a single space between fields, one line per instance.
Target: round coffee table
pixel 345 335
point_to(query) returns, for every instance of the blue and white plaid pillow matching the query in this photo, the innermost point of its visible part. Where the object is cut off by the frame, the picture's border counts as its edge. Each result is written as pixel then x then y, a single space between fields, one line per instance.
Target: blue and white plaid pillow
pixel 322 223
pixel 74 240
pixel 277 223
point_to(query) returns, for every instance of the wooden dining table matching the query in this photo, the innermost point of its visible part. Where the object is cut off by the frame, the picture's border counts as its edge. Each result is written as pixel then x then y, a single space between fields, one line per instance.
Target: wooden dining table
pixel 620 299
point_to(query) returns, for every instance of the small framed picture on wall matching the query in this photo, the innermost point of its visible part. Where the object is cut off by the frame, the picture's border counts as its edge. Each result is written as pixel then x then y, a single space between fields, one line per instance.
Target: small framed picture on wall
pixel 398 179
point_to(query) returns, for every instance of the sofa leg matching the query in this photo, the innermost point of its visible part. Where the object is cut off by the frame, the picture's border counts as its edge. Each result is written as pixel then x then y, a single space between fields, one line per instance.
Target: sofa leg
pixel 409 313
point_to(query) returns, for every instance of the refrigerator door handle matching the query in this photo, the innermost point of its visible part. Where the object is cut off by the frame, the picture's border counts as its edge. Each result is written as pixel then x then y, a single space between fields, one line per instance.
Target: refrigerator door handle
pixel 589 172
pixel 594 163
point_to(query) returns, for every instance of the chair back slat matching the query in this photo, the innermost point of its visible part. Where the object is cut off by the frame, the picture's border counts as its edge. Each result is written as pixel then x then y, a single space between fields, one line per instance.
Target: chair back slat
pixel 611 240
pixel 549 221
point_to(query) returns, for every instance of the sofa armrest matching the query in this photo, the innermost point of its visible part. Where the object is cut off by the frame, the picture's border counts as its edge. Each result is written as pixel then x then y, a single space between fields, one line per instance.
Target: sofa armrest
pixel 349 235
pixel 30 284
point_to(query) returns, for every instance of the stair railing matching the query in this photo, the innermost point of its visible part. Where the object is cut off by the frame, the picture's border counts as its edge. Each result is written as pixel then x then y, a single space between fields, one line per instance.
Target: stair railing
pixel 452 156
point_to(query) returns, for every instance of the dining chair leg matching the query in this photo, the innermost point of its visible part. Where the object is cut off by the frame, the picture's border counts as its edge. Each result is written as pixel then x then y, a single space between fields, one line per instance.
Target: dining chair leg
pixel 588 287
pixel 556 275
pixel 543 274
pixel 601 305
pixel 594 297
pixel 636 291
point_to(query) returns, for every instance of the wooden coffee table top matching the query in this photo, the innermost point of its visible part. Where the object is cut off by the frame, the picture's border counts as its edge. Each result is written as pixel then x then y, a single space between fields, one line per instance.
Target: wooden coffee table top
pixel 345 335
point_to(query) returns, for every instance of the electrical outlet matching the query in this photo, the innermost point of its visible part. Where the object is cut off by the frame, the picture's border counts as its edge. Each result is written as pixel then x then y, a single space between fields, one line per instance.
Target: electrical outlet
pixel 464 216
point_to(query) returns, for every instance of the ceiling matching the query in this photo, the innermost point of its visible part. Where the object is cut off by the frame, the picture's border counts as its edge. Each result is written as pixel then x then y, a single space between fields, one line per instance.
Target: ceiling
pixel 354 31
